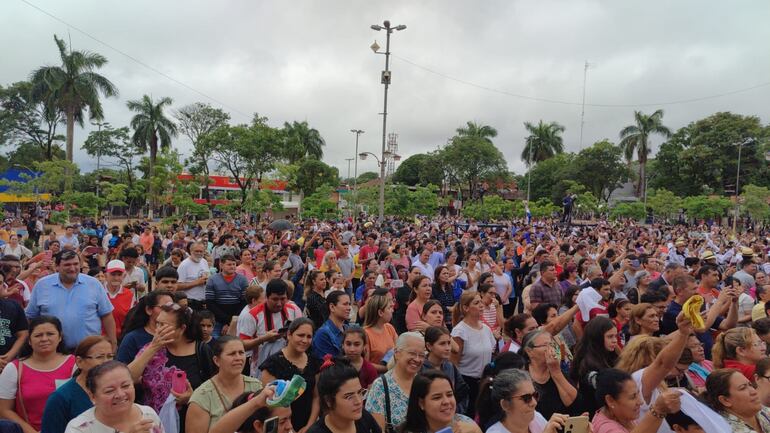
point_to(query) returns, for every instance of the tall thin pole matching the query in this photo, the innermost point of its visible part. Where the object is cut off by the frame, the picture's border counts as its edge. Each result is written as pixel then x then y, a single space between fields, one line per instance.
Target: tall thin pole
pixel 737 185
pixel 386 82
pixel 583 109
pixel 355 169
pixel 529 172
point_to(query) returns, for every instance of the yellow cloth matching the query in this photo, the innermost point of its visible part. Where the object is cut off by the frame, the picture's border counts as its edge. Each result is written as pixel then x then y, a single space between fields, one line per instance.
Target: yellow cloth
pixel 758 312
pixel 691 310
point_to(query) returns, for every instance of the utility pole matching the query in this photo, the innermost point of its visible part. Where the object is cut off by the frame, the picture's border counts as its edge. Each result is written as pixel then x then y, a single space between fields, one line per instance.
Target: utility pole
pixel 583 108
pixel 358 132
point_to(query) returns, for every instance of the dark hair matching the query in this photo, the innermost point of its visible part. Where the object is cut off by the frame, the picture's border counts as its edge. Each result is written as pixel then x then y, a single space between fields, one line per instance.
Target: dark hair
pixel 334 373
pixel 540 313
pixel 416 284
pixel 26 350
pixel 515 322
pixel 610 382
pixel 166 271
pixel 679 418
pixel 221 342
pixel 484 276
pixel 568 294
pixel 355 330
pixel 81 351
pixel 763 367
pixel 334 297
pixel 652 297
pixel 299 321
pixel 185 317
pixel 598 283
pixel 415 420
pixel 276 286
pixel 206 315
pixel 137 316
pixel 504 385
pixel 261 414
pixel 484 288
pixel 718 385
pixel 705 269
pixel 100 370
pixel 227 258
pixel 129 252
pixel 762 326
pixel 615 306
pixel 545 264
pixel 429 304
pixel 433 333
pixel 63 255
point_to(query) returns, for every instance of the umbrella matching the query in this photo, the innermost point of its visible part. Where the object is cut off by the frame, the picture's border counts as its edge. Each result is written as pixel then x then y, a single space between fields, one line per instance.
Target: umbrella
pixel 280 225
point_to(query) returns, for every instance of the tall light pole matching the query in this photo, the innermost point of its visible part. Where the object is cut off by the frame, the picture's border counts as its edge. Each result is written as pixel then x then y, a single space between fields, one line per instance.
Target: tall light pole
pixel 738 180
pixel 385 80
pixel 355 168
pixel 381 162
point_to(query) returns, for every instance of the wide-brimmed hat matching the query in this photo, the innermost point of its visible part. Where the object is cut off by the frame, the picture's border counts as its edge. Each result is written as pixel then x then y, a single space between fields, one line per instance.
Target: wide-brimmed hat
pixel 708 255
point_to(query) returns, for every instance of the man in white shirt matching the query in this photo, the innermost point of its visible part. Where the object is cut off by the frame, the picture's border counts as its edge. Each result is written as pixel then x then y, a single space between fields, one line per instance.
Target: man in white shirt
pixel 423 263
pixel 193 274
pixel 69 241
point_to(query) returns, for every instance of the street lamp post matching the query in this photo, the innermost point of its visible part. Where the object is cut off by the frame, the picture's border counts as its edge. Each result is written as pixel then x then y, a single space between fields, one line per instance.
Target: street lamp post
pixel 381 162
pixel 386 82
pixel 355 168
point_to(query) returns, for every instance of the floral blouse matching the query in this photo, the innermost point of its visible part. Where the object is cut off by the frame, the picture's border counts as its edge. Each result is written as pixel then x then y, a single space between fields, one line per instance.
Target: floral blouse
pixel 156 379
pixel 738 426
pixel 375 400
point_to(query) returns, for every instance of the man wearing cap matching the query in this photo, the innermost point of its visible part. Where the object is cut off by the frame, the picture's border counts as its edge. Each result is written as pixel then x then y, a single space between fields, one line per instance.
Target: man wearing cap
pixel 748 268
pixel 678 253
pixel 77 300
pixel 69 240
pixel 121 298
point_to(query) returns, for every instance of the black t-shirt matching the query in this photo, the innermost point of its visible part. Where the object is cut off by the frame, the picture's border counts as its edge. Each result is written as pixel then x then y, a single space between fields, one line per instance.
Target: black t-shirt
pixel 365 424
pixel 281 368
pixel 12 320
pixel 550 403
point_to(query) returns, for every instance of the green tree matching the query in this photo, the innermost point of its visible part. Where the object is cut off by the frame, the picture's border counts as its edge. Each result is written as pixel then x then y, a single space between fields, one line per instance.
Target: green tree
pixel 313 173
pixel 153 131
pixel 195 121
pixel 83 204
pixel 486 161
pixel 25 120
pixel 600 168
pixel 544 141
pixel 636 139
pixel 117 195
pixel 26 154
pixel 114 143
pixel 73 87
pixel 367 177
pixel 477 130
pixel 418 169
pixel 493 208
pixel 547 176
pixel 631 210
pixel 705 207
pixel 261 201
pixel 755 202
pixel 319 204
pixel 664 203
pixel 302 141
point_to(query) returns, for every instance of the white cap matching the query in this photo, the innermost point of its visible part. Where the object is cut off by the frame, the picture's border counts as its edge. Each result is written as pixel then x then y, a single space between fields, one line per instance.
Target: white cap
pixel 115 265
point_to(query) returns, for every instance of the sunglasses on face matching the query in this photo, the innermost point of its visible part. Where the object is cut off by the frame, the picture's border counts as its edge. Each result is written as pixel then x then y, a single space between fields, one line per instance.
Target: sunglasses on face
pixel 527 398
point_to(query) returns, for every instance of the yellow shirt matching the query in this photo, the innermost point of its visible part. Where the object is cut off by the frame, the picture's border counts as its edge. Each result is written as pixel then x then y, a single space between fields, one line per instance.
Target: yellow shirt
pixel 758 312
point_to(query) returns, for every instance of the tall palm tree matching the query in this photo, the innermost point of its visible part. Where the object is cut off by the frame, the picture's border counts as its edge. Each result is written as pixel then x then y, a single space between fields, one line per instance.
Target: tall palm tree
pixel 151 129
pixel 544 141
pixel 635 138
pixel 473 129
pixel 302 140
pixel 73 87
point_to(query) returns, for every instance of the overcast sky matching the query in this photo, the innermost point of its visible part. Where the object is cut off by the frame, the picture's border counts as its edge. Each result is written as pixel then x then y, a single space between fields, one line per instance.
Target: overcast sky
pixel 310 60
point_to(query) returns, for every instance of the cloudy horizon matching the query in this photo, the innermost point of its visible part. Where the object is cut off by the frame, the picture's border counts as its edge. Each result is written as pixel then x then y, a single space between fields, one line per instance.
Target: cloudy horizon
pixel 306 60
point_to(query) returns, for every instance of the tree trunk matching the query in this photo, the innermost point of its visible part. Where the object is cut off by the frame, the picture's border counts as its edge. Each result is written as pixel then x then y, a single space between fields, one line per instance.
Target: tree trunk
pixel 642 178
pixel 70 132
pixel 151 173
pixel 206 193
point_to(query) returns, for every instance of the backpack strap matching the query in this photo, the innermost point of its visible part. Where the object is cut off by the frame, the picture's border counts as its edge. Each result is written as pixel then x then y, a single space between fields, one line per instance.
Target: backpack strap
pixel 388 420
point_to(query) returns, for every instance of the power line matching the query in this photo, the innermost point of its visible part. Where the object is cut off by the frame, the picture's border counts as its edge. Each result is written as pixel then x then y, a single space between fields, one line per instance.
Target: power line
pixel 163 74
pixel 578 103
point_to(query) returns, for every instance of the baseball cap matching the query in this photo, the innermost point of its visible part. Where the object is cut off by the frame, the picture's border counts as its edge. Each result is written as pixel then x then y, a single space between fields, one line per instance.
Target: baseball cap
pixel 115 265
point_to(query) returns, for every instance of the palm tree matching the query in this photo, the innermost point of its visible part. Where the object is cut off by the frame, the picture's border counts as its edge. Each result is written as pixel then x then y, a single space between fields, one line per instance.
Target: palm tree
pixel 636 138
pixel 544 141
pixel 302 140
pixel 151 127
pixel 73 87
pixel 478 130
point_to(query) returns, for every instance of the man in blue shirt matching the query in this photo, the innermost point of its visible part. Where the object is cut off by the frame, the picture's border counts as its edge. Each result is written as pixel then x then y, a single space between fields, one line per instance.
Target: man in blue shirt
pixel 77 300
pixel 328 338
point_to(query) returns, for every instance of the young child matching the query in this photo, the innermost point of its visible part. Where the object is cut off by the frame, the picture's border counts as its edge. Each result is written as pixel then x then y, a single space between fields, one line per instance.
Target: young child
pixel 207 319
pixel 338 283
pixel 181 299
pixel 353 345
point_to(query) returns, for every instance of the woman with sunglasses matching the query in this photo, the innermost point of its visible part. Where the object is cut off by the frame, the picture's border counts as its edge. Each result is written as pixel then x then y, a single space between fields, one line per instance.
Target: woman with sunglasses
pixel 406 363
pixel 544 366
pixel 342 400
pixel 71 399
pixel 510 404
pixel 175 348
pixel 432 407
pixel 140 325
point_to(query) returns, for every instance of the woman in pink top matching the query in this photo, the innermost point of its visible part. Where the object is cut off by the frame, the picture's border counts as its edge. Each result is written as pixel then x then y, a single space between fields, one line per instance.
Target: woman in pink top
pixel 420 294
pixel 622 403
pixel 246 268
pixel 26 383
pixel 492 312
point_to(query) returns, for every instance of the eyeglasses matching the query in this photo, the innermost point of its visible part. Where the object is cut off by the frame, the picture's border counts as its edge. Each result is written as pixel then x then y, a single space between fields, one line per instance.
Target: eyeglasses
pixel 414 355
pixel 527 398
pixel 103 357
pixel 361 393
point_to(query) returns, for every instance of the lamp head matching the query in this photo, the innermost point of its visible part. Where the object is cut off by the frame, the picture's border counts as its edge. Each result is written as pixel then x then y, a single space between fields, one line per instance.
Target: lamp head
pixel 375 47
pixel 375 27
pixel 401 27
pixel 386 24
pixel 362 156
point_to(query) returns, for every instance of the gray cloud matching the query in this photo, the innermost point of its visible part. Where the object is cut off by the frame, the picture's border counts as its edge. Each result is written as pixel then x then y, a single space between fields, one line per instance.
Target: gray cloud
pixel 310 60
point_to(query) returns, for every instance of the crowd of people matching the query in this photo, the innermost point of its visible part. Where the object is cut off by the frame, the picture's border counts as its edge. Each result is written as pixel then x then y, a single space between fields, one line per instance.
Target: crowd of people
pixel 400 326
